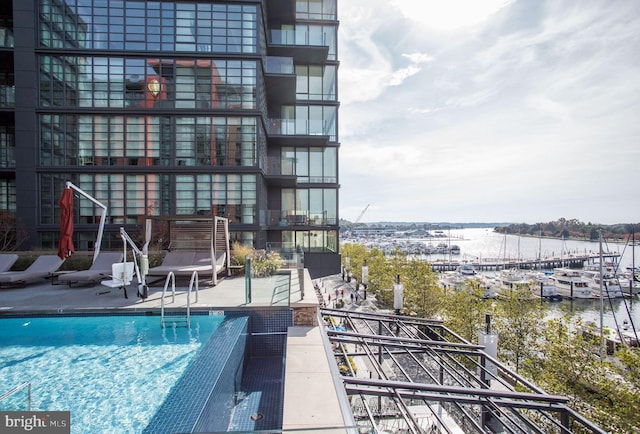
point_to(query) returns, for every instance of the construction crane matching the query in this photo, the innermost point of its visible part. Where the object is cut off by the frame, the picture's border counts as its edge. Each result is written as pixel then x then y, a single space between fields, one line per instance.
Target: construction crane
pixel 361 214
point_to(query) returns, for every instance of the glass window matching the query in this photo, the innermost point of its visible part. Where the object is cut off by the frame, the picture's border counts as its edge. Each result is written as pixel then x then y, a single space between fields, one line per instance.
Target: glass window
pixel 137 25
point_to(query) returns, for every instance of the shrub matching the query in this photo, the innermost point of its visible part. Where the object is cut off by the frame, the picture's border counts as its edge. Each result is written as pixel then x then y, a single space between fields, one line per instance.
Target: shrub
pixel 239 252
pixel 263 263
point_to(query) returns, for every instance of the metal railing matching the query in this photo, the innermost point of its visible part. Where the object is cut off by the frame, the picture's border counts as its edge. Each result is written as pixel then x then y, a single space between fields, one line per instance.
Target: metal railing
pixel 171 278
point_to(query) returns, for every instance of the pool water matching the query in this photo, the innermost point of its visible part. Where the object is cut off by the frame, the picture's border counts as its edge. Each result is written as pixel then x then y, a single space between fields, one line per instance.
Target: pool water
pixel 111 372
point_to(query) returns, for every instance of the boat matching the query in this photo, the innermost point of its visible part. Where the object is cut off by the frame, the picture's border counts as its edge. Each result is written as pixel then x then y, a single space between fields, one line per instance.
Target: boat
pixel 452 280
pixel 607 280
pixel 629 284
pixel 569 283
pixel 511 278
pixel 547 286
pixel 466 270
pixel 455 249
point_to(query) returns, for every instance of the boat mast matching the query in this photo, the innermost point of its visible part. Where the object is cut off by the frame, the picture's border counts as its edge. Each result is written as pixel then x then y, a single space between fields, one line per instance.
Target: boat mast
pixel 601 304
pixel 632 281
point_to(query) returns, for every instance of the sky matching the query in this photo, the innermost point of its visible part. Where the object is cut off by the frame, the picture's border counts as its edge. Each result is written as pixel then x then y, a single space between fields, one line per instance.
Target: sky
pixel 520 111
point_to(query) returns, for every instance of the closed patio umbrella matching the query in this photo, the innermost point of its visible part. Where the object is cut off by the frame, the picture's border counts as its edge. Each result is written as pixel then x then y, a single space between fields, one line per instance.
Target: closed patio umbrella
pixel 65 245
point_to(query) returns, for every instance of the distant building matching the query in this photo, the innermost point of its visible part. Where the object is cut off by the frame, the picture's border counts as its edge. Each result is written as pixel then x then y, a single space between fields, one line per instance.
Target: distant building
pixel 174 108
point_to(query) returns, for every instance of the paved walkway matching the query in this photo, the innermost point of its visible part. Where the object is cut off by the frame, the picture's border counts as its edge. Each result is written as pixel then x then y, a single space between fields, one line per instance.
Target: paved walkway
pixel 230 292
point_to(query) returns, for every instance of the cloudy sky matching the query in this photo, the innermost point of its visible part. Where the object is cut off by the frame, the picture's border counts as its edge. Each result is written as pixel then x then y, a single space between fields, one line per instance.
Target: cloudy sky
pixel 490 110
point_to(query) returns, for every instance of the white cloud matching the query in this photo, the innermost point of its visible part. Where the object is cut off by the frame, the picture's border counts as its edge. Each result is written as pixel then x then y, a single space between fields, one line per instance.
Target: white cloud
pixel 519 110
pixel 418 58
pixel 449 15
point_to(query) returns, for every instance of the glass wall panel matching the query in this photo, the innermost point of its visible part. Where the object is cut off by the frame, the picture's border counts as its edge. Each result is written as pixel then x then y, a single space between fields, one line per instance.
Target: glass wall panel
pixel 315 206
pixel 311 119
pixel 7 146
pixel 150 83
pixel 309 241
pixel 110 140
pixel 136 25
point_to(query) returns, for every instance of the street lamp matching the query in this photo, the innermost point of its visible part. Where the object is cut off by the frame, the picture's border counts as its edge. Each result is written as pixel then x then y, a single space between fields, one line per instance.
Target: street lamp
pixel 347 268
pixel 365 277
pixel 397 295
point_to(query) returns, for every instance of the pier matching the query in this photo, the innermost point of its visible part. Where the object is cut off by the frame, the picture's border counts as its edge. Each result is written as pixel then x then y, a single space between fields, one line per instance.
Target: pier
pixel 573 261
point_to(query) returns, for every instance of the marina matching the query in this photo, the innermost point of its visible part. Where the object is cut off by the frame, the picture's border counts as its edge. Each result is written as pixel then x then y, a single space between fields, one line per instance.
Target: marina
pixel 524 264
pixel 485 254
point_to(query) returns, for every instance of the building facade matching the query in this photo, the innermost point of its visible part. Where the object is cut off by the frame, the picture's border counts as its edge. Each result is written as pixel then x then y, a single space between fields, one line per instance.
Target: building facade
pixel 173 108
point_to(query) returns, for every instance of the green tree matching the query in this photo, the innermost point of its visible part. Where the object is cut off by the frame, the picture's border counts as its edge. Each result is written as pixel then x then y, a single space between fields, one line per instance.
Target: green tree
pixel 568 363
pixel 464 312
pixel 519 316
pixel 423 294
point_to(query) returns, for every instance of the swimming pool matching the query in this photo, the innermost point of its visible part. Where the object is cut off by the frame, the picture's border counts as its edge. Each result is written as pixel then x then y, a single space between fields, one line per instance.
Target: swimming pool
pixel 111 372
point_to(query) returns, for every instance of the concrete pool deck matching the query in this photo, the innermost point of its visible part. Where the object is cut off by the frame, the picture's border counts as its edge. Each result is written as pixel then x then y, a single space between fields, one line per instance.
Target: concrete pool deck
pixel 310 397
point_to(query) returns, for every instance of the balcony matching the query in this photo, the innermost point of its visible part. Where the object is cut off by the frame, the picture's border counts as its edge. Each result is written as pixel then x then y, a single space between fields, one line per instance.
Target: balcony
pixel 279 176
pixel 297 218
pixel 280 80
pixel 303 47
pixel 7 96
pixel 6 37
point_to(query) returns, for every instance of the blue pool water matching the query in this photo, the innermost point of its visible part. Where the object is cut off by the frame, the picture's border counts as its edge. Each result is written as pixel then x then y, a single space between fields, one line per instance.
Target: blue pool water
pixel 111 372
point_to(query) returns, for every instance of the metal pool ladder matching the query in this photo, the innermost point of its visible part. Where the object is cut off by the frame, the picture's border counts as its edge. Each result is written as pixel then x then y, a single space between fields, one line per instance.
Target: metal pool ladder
pixel 18 389
pixel 178 320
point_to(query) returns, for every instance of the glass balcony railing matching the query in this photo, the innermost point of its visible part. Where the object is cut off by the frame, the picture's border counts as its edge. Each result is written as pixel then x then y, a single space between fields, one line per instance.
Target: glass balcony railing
pixel 7 96
pixel 299 127
pixel 6 37
pixel 297 37
pixel 277 166
pixel 299 218
pixel 279 65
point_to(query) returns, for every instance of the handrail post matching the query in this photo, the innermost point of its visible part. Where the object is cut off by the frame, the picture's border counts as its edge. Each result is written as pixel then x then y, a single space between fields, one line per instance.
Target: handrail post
pixel 171 277
pixel 194 278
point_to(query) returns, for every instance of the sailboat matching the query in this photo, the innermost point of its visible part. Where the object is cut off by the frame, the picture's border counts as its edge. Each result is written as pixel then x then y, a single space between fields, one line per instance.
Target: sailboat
pixel 629 279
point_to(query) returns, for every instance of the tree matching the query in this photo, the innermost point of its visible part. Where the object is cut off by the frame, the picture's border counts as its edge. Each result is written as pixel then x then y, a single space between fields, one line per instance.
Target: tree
pixel 604 390
pixel 423 294
pixel 12 232
pixel 518 318
pixel 464 312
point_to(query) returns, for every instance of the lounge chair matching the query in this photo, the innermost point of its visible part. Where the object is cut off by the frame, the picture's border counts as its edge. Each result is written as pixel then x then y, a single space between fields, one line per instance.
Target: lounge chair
pixel 99 270
pixel 185 263
pixel 173 262
pixel 7 260
pixel 41 268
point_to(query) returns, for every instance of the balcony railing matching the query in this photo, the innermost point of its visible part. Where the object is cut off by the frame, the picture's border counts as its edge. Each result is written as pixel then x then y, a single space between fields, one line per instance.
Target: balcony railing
pixel 299 218
pixel 6 37
pixel 279 65
pixel 296 37
pixel 299 127
pixel 7 96
pixel 277 166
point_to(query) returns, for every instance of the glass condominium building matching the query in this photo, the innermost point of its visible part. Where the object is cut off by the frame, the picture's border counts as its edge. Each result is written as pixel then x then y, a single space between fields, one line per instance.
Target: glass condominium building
pixel 173 108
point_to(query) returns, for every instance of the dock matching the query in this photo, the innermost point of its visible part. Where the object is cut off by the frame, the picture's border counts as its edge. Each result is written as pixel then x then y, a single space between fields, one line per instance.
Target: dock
pixel 573 261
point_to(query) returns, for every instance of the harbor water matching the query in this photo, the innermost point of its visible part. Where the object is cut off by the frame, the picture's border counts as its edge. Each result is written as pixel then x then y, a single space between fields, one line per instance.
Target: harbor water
pixel 484 245
pixel 478 244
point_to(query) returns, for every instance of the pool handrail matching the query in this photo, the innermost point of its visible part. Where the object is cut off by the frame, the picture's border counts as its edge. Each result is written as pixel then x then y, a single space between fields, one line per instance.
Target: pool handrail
pixel 16 390
pixel 194 278
pixel 171 277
